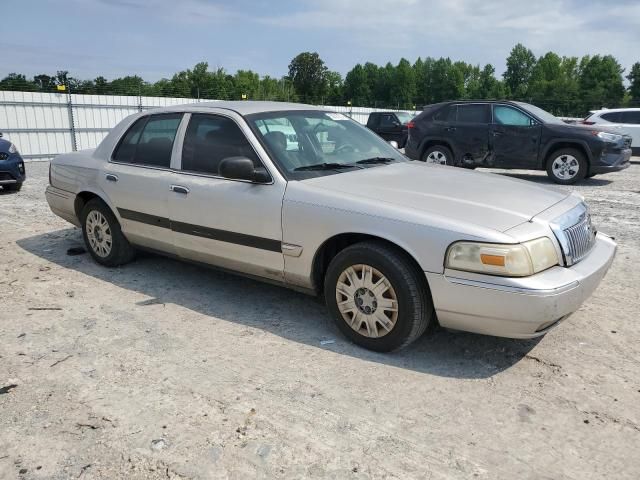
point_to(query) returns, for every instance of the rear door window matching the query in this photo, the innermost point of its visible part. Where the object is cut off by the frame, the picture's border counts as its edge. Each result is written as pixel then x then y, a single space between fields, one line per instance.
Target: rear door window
pixel 149 141
pixel 212 138
pixel 474 113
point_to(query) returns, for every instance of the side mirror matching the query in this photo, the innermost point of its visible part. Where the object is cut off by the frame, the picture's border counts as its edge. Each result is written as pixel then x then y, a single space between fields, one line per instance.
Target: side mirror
pixel 241 168
pixel 394 144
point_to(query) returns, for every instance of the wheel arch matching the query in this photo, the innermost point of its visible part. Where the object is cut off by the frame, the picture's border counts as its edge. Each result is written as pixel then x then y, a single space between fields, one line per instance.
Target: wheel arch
pixel 433 141
pixel 566 143
pixel 86 195
pixel 335 244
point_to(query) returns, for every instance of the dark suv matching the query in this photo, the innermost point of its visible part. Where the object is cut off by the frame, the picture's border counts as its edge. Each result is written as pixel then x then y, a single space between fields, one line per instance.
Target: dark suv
pixel 11 166
pixel 504 134
pixel 392 126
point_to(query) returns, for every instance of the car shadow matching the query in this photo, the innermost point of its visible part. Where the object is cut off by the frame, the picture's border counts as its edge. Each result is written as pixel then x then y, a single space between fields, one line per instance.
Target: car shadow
pixel 278 310
pixel 545 180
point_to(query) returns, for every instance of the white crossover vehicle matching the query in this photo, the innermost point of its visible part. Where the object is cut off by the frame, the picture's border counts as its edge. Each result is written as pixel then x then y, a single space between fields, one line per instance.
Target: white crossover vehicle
pixel 623 120
pixel 393 245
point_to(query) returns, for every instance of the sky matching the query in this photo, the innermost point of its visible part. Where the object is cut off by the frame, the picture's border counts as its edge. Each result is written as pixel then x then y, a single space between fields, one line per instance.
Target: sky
pixel 156 38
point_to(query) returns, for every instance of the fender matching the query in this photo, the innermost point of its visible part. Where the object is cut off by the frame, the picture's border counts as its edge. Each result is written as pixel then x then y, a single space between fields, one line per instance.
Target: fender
pixel 542 159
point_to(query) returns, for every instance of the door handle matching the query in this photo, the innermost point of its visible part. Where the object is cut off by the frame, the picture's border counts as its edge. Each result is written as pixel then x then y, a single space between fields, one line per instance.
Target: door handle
pixel 497 134
pixel 450 129
pixel 111 177
pixel 179 189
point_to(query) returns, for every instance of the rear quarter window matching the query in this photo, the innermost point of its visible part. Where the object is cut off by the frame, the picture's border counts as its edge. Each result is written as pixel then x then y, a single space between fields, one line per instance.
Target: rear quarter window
pixel 630 118
pixel 612 117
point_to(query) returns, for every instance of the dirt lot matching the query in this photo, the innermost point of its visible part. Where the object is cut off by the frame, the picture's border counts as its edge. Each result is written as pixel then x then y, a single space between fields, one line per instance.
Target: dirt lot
pixel 167 370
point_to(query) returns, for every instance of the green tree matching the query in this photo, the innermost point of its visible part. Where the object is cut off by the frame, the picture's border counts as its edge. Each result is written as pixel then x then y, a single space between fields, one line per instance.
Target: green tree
pixel 308 73
pixel 16 81
pixel 634 80
pixel 44 82
pixel 446 82
pixel 403 85
pixel 334 88
pixel 356 86
pixel 600 82
pixel 554 84
pixel 520 64
pixel 246 83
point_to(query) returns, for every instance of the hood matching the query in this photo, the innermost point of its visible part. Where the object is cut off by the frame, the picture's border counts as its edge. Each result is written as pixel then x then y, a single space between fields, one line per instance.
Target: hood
pixel 587 129
pixel 488 200
pixel 4 145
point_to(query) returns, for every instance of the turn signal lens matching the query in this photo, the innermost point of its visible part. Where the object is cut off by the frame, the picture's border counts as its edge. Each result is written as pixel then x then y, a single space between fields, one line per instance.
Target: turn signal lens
pixel 517 260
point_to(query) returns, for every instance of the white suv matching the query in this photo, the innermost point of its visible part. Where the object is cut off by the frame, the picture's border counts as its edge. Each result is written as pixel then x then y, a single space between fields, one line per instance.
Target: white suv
pixel 627 120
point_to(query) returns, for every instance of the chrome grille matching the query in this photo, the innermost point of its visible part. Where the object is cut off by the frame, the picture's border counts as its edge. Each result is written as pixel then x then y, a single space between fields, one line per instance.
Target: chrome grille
pixel 580 239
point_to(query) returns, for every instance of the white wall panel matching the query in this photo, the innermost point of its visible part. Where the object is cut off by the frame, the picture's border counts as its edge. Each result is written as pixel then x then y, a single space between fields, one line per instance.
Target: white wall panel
pixel 39 123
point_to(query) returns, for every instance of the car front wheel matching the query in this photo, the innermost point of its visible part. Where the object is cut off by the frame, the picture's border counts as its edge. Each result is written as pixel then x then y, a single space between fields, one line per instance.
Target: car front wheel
pixel 377 296
pixel 438 154
pixel 102 235
pixel 567 166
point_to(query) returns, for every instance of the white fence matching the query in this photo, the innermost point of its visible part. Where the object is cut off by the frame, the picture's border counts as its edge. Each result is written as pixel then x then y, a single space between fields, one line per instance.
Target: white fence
pixel 43 125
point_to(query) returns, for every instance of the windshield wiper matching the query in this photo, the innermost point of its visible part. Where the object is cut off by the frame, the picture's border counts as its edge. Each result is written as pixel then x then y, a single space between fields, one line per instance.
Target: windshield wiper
pixel 374 160
pixel 324 166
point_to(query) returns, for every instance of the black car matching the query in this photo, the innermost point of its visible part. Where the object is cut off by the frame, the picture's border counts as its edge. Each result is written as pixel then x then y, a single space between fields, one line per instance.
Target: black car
pixel 392 126
pixel 503 134
pixel 12 172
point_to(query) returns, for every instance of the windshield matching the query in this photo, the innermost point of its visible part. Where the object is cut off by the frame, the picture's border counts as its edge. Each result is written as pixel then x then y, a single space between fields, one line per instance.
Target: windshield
pixel 307 144
pixel 404 117
pixel 543 115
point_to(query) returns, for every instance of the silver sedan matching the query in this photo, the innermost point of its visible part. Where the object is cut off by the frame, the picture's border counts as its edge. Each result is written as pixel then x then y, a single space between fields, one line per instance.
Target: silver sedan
pixel 310 199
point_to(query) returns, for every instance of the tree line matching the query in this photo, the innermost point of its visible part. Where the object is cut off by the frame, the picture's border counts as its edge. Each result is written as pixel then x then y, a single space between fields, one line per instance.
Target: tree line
pixel 569 86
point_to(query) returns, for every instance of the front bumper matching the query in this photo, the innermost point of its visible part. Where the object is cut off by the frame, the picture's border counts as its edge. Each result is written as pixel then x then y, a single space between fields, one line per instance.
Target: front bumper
pixel 612 162
pixel 518 307
pixel 12 170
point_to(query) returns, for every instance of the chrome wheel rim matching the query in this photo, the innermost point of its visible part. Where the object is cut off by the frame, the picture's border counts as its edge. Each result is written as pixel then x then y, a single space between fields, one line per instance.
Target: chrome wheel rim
pixel 99 233
pixel 437 157
pixel 367 301
pixel 565 167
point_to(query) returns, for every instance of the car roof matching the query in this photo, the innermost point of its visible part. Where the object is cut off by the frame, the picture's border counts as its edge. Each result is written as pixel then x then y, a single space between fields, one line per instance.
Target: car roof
pixel 610 110
pixel 242 107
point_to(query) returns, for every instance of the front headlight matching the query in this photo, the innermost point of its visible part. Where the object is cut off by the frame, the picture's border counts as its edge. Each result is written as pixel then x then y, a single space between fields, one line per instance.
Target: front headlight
pixel 609 137
pixel 517 260
pixel 13 149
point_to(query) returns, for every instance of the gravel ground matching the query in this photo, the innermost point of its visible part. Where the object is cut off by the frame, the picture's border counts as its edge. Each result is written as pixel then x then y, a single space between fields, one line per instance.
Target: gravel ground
pixel 165 370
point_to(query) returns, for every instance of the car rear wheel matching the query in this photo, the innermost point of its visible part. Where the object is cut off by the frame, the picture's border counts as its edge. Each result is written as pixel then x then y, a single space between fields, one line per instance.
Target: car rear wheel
pixel 567 166
pixel 377 297
pixel 13 187
pixel 102 235
pixel 438 154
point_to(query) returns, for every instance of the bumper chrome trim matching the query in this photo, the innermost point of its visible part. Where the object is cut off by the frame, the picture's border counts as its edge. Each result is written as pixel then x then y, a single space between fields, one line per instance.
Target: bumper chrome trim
pixel 509 289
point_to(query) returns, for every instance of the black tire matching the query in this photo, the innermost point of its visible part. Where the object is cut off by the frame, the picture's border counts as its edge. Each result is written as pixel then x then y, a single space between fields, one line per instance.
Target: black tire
pixel 13 187
pixel 583 166
pixel 121 251
pixel 445 151
pixel 414 306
